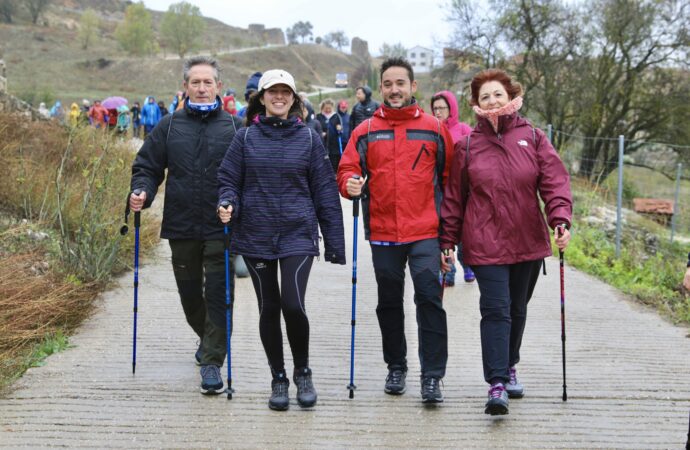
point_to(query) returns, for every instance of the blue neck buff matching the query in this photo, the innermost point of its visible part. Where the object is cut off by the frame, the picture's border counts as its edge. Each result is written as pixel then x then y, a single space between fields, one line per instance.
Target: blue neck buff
pixel 203 107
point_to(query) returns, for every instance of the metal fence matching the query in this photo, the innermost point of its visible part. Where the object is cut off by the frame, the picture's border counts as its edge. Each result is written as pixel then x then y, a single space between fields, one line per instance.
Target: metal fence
pixel 623 170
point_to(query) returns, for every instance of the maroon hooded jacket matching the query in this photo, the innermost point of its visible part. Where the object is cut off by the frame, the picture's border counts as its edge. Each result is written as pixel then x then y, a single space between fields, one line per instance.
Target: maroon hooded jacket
pixel 508 171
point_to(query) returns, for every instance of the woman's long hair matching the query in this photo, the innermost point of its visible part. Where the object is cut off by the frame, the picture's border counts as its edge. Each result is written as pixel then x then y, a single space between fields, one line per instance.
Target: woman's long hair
pixel 255 108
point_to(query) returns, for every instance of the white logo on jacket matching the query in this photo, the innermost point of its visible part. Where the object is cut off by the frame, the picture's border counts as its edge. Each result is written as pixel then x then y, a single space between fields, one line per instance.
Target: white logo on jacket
pixel 522 142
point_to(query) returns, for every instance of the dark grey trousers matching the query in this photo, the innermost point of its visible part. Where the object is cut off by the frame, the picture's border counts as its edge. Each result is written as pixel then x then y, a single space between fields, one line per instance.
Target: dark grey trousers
pixel 424 259
pixel 199 268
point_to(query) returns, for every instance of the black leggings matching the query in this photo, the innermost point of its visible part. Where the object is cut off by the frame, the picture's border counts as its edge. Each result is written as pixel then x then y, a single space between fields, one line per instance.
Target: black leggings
pixel 294 274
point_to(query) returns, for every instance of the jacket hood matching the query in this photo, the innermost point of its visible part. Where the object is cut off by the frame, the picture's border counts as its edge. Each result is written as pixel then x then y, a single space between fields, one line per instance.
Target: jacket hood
pixel 505 123
pixel 74 107
pixel 453 117
pixel 367 93
pixel 399 114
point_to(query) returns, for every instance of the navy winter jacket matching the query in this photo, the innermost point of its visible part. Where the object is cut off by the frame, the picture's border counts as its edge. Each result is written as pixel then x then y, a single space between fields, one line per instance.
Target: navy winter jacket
pixel 342 119
pixel 277 176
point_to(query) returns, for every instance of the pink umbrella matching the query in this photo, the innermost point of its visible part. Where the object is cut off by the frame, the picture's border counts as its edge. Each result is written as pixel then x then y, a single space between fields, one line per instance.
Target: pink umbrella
pixel 113 102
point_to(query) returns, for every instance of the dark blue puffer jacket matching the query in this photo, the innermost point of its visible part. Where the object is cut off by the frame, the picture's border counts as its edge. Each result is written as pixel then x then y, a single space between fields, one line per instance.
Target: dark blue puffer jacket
pixel 277 176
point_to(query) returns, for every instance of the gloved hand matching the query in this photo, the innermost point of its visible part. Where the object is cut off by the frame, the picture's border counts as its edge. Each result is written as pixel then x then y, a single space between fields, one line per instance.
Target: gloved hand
pixel 334 257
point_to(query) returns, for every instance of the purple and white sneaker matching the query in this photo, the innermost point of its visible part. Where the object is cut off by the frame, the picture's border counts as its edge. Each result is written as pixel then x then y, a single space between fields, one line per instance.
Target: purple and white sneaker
pixel 514 387
pixel 498 400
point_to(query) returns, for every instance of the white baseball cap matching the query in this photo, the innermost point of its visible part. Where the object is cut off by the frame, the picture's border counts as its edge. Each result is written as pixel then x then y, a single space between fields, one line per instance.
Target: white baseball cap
pixel 276 76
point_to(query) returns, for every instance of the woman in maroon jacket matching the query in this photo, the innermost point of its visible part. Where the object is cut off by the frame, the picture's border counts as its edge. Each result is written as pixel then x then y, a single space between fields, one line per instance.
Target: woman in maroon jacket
pixel 491 206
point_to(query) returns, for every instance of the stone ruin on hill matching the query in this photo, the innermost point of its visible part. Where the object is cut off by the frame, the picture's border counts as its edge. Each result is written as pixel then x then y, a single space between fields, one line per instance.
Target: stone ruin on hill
pixel 10 103
pixel 360 48
pixel 3 77
pixel 272 36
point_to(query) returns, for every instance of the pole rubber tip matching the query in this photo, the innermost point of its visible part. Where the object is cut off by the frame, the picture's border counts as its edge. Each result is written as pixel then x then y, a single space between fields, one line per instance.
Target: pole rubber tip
pixel 352 394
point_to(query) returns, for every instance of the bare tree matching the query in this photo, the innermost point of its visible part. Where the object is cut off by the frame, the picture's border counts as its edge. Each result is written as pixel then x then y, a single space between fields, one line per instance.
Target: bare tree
pixel 600 68
pixel 302 30
pixel 634 44
pixel 88 28
pixel 36 7
pixel 7 9
pixel 394 50
pixel 181 27
pixel 476 31
pixel 336 39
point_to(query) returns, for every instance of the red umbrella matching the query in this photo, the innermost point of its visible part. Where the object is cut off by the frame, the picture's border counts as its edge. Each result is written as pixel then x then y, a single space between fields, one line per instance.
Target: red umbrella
pixel 113 102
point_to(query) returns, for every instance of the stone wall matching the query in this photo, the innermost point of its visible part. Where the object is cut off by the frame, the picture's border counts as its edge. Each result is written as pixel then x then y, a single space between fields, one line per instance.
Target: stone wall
pixel 274 36
pixel 10 103
pixel 360 48
pixel 3 77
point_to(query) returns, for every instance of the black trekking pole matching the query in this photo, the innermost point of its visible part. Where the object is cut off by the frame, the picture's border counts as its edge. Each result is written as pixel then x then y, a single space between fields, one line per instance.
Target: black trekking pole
pixel 560 260
pixel 228 304
pixel 123 231
pixel 355 215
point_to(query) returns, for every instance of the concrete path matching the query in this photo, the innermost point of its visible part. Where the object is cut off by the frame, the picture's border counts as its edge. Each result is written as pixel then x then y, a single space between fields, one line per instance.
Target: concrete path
pixel 627 376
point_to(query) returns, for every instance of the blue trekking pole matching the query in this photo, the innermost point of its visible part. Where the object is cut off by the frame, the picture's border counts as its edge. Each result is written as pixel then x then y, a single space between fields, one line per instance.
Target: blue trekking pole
pixel 123 231
pixel 340 143
pixel 228 304
pixel 355 215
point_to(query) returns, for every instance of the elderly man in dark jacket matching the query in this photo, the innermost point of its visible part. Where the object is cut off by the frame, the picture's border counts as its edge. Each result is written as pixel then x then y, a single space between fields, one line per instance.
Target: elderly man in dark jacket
pixel 190 144
pixel 364 108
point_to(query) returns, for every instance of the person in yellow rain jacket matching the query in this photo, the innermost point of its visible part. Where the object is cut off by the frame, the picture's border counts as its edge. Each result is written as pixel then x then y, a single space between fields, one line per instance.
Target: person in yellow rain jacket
pixel 74 114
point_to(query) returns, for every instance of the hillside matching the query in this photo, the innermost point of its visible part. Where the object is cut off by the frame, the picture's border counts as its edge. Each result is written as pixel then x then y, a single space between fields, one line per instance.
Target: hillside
pixel 48 61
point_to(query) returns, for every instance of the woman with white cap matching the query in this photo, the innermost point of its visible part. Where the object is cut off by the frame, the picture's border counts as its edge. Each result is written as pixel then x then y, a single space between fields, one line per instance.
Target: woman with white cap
pixel 279 187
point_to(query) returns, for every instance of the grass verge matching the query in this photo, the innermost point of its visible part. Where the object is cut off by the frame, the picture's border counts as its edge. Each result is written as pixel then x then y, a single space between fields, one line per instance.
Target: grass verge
pixel 62 197
pixel 650 268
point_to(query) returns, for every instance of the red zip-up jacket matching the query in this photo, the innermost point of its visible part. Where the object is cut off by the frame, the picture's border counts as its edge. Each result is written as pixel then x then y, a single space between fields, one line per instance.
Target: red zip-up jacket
pixel 401 152
pixel 508 171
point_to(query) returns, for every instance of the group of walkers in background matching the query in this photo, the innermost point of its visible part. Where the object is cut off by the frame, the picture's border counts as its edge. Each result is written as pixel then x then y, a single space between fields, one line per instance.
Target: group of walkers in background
pixel 427 183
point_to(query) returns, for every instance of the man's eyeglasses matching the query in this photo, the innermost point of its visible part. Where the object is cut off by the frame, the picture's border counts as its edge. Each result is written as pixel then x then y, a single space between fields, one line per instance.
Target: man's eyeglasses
pixel 439 108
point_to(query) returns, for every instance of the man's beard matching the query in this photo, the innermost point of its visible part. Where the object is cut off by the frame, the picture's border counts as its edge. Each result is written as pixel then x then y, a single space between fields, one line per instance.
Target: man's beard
pixel 407 102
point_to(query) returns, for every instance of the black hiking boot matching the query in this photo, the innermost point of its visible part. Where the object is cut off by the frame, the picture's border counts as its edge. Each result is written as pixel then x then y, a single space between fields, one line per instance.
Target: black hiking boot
pixel 431 390
pixel 395 382
pixel 279 401
pixel 306 394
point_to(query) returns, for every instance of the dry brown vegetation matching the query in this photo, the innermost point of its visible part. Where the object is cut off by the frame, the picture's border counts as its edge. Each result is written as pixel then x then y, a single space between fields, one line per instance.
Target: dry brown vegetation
pixel 62 196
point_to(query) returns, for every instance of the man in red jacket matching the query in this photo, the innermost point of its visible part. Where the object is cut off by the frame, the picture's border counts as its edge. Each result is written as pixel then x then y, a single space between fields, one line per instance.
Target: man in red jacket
pixel 404 154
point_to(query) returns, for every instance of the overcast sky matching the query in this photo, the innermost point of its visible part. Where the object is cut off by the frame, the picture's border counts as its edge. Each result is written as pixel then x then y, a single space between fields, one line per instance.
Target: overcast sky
pixel 411 22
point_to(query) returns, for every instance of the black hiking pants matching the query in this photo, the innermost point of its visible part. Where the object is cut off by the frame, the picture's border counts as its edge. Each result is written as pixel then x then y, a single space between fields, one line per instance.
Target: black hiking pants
pixel 424 259
pixel 504 291
pixel 199 268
